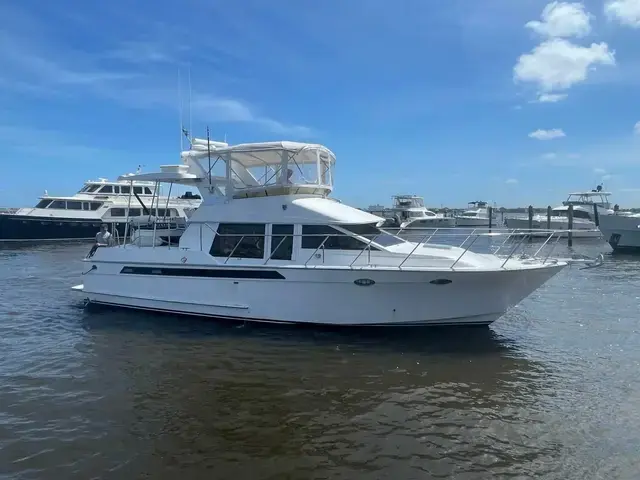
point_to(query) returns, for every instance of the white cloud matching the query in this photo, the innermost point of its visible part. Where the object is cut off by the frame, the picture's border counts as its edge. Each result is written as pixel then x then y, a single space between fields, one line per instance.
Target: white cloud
pixel 636 128
pixel 599 171
pixel 547 134
pixel 232 110
pixel 627 12
pixel 562 19
pixel 50 144
pixel 511 181
pixel 141 52
pixel 551 97
pixel 558 64
pixel 549 156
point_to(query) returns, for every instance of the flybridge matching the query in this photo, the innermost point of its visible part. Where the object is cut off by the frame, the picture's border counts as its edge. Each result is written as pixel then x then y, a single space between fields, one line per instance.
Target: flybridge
pixel 252 169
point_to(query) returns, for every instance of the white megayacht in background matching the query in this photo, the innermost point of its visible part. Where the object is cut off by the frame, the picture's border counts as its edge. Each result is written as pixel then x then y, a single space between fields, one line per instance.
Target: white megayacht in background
pixel 269 244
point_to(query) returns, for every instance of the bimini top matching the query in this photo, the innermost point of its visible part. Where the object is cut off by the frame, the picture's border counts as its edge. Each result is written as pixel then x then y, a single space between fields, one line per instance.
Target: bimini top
pixel 251 169
pixel 260 154
pixel 262 169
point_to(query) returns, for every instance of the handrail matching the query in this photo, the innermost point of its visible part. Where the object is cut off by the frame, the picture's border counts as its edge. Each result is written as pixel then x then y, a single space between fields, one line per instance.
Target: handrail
pixel 234 249
pixel 414 249
pixel 465 251
pixel 361 251
pixel 380 246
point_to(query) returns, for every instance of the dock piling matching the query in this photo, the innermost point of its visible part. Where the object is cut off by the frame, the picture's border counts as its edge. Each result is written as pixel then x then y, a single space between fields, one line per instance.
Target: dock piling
pixel 490 217
pixel 570 236
pixel 530 223
pixel 596 215
pixel 548 217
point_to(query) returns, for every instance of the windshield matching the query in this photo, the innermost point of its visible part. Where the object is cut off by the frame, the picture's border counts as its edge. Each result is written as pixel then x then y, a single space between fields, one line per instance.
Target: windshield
pixel 371 232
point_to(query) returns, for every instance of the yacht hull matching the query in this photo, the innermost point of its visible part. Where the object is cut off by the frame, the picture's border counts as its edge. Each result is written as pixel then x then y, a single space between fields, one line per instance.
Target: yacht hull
pixel 32 228
pixel 315 295
pixel 621 232
pixel 581 229
pixel 474 222
pixel 431 222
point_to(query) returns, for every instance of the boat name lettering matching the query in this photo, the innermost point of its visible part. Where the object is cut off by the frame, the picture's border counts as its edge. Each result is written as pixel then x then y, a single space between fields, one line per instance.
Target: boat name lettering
pixel 364 282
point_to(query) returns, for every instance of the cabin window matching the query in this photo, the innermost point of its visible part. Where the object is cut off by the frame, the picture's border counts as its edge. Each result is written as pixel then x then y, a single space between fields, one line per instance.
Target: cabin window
pixel 135 212
pixel 43 203
pixel 281 242
pixel 137 190
pixel 125 189
pixel 172 212
pixel 314 235
pixel 95 205
pixel 581 214
pixel 92 188
pixel 74 205
pixel 58 204
pixel 118 212
pixel 239 240
pixel 106 189
pixel 147 191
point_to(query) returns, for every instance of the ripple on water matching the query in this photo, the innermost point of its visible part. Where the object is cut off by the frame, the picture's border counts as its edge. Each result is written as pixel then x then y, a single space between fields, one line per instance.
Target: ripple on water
pixel 550 391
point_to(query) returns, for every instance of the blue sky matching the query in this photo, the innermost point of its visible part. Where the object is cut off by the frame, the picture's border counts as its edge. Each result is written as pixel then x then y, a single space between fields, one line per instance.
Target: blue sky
pixel 516 102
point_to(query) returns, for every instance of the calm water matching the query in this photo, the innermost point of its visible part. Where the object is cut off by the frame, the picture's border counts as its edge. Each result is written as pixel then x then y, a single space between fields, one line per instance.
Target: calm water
pixel 551 390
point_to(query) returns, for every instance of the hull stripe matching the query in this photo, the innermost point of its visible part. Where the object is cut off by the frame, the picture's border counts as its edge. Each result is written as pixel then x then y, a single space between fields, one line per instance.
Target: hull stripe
pixel 204 272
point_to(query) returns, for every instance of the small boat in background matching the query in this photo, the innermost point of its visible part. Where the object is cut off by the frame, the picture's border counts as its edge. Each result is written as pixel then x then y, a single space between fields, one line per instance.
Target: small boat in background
pixel 585 204
pixel 79 216
pixel 622 231
pixel 409 212
pixel 476 215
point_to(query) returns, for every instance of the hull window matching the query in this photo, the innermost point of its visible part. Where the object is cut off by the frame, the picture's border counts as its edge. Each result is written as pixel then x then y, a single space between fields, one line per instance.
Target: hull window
pixel 118 212
pixel 239 240
pixel 281 242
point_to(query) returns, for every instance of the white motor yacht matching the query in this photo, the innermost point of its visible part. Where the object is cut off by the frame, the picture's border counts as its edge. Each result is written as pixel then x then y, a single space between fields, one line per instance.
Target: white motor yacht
pixel 79 216
pixel 477 214
pixel 409 212
pixel 269 244
pixel 585 205
pixel 622 231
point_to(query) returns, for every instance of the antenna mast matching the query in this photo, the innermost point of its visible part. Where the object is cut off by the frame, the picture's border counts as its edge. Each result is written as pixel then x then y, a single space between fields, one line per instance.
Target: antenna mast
pixel 190 125
pixel 209 155
pixel 180 108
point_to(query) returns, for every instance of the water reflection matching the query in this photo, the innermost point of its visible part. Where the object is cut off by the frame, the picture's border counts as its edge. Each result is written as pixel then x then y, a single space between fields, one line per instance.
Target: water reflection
pixel 286 399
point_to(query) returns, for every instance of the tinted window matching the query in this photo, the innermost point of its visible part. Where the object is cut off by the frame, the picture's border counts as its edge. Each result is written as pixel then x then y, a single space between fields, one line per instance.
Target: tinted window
pixel 137 190
pixel 135 212
pixel 106 189
pixel 58 204
pixel 161 212
pixel 43 203
pixel 281 242
pixel 95 205
pixel 125 189
pixel 147 190
pixel 581 214
pixel 92 188
pixel 118 212
pixel 74 205
pixel 314 235
pixel 245 240
pixel 370 231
